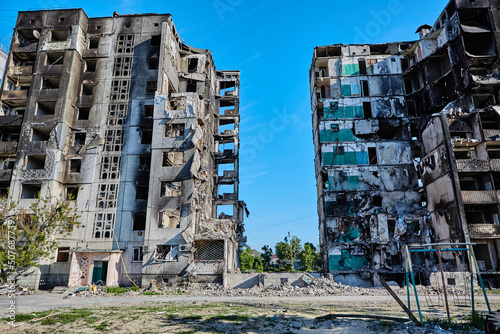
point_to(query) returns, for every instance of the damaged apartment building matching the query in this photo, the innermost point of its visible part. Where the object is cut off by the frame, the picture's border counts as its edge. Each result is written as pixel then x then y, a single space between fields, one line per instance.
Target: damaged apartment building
pixel 140 131
pixel 407 141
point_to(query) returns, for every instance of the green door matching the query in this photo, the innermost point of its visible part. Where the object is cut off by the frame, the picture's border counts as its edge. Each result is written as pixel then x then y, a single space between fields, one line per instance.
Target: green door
pixel 100 271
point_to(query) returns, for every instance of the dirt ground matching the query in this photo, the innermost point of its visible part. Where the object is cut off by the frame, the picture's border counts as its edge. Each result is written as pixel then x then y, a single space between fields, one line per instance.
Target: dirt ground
pixel 136 313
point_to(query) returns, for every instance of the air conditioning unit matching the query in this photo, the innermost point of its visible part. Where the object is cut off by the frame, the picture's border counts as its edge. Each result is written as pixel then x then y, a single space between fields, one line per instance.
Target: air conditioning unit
pixel 145 249
pixel 183 248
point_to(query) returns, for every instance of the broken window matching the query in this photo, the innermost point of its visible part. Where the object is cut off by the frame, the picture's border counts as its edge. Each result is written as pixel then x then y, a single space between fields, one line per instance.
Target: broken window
pixel 104 224
pixel 167 253
pixel 45 108
pixel 59 35
pixel 174 130
pixel 192 65
pixel 75 165
pixel 87 89
pixel 138 254
pixel 405 64
pixel 209 250
pixel 144 163
pixel 151 87
pixel 173 159
pixel 62 254
pixel 482 101
pixel 191 86
pixel 148 111
pixel 155 40
pixel 90 65
pixel 372 155
pixel 362 66
pixel 40 134
pixel 50 83
pixel 153 63
pixel 224 211
pixel 141 192
pixel 377 201
pixel 367 109
pixel 8 164
pixel 94 43
pixel 54 59
pixel 35 162
pixel 146 136
pixel 83 114
pixel 139 222
pixel 30 191
pixel 71 193
pixel 79 138
pixel 169 219
pixel 170 189
pixel 364 88
pixel 391 223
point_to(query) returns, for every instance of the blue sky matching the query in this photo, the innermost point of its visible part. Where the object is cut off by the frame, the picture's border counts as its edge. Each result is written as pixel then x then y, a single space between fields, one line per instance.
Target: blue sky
pixel 271 43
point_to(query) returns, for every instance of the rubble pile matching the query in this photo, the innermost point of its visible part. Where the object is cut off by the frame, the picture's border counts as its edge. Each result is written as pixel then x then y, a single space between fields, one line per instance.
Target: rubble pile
pixel 14 289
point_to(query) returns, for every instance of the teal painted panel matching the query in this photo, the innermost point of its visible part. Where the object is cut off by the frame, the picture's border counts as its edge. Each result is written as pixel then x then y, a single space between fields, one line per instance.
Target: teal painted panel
pixel 346 90
pixel 343 112
pixel 341 135
pixel 362 158
pixel 350 183
pixel 337 262
pixel 350 69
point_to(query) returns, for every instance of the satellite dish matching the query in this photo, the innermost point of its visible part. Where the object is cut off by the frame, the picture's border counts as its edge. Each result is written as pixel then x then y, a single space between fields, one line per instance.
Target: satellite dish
pixel 36 34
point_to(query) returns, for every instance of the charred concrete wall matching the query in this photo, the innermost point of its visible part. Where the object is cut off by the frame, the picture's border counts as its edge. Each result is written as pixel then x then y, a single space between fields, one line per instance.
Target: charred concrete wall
pixel 119 114
pixel 418 133
pixel 368 187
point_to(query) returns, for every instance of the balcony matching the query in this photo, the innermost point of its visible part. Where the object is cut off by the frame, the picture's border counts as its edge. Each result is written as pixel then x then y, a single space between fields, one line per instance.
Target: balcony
pixel 15 94
pixel 25 48
pixel 491 135
pixel 8 147
pixel 5 175
pixel 479 197
pixel 466 165
pixel 484 231
pixel 20 70
pixel 11 120
pixel 230 113
pixel 495 165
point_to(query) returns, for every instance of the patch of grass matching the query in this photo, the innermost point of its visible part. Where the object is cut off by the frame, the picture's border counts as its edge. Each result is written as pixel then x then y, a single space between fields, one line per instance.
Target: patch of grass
pixel 450 325
pixel 478 320
pixel 116 289
pixel 149 293
pixel 134 288
pixel 387 323
pixel 102 326
pixel 92 319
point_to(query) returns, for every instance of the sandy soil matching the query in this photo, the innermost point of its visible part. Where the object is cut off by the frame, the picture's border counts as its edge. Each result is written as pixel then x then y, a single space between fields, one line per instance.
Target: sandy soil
pixel 135 313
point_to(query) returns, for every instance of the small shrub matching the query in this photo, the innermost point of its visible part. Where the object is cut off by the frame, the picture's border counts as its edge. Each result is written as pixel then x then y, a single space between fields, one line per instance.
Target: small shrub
pixel 116 289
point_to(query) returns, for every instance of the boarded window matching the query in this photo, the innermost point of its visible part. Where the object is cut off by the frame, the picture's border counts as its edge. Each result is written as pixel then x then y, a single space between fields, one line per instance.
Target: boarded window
pixel 169 219
pixel 209 250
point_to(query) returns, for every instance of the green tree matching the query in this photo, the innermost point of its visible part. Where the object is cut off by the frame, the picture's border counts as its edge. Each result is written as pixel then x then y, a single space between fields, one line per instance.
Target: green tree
pixel 246 260
pixel 30 234
pixel 267 253
pixel 258 265
pixel 308 258
pixel 288 251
